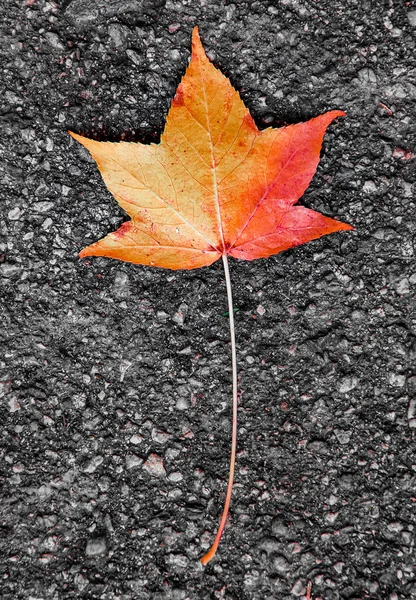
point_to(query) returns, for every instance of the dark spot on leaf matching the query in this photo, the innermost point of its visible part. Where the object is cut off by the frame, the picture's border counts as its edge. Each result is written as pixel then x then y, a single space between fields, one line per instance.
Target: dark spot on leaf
pixel 179 97
pixel 125 228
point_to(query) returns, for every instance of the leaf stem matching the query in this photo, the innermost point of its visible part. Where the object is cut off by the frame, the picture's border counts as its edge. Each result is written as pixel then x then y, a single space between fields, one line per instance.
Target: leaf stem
pixel 211 553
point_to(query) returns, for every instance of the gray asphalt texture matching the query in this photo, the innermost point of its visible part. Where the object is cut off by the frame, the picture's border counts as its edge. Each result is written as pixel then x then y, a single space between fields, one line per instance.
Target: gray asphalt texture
pixel 115 379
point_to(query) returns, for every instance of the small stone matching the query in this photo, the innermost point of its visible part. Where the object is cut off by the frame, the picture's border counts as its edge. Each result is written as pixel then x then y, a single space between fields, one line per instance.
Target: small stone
pixel 161 437
pixel 395 527
pixel 398 152
pixel 298 589
pixel 42 206
pixel 182 404
pixel 14 404
pixel 260 310
pixel 177 560
pixel 174 27
pixel 175 493
pixel 317 447
pixel 133 461
pixel 180 315
pixel 342 436
pixel 136 439
pixel 82 14
pixel 402 286
pixel 279 528
pixel 339 567
pixel 411 15
pixel 411 413
pixel 347 384
pixel 80 581
pixel 124 365
pixel 175 477
pixel 8 270
pixel 47 223
pixel 270 545
pixel 96 547
pixel 154 466
pixel 54 40
pixel 369 187
pixel 134 57
pixel 281 564
pixel 121 285
pixel 367 77
pixel 14 214
pixel 92 465
pixel 162 317
pixel 331 517
pixel 179 318
pixel 118 34
pixel 397 380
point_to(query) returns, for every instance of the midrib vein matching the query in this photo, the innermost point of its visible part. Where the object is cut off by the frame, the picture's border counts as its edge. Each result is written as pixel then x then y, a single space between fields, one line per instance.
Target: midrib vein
pixel 213 167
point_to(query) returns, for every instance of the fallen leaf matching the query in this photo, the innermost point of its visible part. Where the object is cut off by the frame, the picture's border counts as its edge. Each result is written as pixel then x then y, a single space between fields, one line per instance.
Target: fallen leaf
pixel 215 186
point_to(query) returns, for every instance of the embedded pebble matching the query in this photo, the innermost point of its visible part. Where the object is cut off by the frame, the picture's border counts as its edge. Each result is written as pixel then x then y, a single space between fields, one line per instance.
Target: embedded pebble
pixel 93 464
pixel 279 529
pixel 342 436
pixel 411 413
pixel 411 15
pixel 9 270
pixel 281 564
pixel 121 285
pixel 369 187
pixel 15 213
pixel 298 589
pixel 96 547
pixel 161 437
pixel 397 380
pixel 177 560
pixel 260 310
pixel 174 27
pixel 182 404
pixel 402 286
pixel 42 207
pixel 396 526
pixel 14 404
pixel 154 466
pixel 136 439
pixel 133 461
pixel 347 384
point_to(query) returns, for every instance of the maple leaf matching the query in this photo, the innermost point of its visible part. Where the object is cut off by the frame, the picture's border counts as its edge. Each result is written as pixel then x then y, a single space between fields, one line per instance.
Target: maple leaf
pixel 215 186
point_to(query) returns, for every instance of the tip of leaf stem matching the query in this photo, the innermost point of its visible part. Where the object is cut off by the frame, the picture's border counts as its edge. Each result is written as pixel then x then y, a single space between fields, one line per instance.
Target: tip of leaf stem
pixel 208 556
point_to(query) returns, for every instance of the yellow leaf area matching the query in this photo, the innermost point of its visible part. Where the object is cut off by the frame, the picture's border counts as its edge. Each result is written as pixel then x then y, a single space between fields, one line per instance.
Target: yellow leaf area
pixel 214 184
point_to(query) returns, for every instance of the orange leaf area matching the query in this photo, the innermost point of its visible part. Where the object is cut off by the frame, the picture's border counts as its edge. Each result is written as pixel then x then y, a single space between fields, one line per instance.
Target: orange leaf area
pixel 214 184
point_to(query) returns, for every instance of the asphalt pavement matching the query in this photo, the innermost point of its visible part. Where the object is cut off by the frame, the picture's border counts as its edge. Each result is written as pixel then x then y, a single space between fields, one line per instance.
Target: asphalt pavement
pixel 115 379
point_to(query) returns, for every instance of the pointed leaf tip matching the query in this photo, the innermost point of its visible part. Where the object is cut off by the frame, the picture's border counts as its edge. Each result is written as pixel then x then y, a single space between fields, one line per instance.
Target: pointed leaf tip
pixel 346 227
pixel 84 252
pixel 197 47
pixel 338 113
